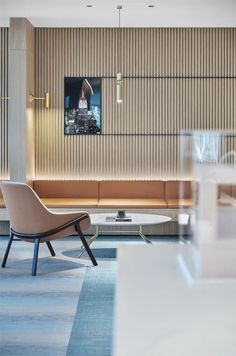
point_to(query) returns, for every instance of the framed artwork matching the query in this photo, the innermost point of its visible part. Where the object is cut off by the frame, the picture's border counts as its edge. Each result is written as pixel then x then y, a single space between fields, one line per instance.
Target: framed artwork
pixel 82 98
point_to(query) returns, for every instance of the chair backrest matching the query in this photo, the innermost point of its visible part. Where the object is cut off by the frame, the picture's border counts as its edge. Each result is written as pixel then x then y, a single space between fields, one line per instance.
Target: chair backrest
pixel 27 213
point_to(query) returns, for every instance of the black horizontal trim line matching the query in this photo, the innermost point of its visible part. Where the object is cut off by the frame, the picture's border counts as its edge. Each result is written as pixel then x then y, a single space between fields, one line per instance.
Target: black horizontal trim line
pixel 139 134
pixel 170 77
pixel 166 134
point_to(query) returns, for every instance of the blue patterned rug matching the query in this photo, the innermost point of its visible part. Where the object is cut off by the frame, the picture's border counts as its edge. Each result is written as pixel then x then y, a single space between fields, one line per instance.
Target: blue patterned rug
pixel 100 253
pixel 93 324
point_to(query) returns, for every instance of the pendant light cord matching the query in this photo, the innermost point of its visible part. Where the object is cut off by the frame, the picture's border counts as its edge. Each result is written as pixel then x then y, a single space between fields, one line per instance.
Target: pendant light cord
pixel 119 84
pixel 119 45
pixel 119 7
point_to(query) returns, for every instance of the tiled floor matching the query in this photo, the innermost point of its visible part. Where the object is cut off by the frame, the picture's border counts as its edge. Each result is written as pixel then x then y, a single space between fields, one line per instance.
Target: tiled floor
pixel 36 313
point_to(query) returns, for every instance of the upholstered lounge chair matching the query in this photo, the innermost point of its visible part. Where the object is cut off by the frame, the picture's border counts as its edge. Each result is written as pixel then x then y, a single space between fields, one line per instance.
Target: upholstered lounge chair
pixel 31 221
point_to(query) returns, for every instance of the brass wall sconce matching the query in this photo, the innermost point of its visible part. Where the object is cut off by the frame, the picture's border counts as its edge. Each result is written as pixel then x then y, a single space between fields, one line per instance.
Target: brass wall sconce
pixel 46 98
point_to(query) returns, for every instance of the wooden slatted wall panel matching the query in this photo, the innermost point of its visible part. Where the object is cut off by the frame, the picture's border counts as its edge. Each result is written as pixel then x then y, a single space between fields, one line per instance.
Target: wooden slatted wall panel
pixel 181 79
pixel 4 169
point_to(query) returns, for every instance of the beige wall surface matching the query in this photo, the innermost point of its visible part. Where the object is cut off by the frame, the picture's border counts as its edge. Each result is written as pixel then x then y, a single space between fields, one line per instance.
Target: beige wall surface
pixel 176 79
pixel 4 167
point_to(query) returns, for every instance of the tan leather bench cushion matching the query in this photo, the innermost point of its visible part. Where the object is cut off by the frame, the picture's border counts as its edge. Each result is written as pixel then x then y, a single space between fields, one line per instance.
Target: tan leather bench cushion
pixel 2 204
pixel 66 189
pixel 225 189
pixel 70 202
pixel 172 189
pixel 132 189
pixel 132 203
pixel 234 191
pixel 178 203
pixel 112 194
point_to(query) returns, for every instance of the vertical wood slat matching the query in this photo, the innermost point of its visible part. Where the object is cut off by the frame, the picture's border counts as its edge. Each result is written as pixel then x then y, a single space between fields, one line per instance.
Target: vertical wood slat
pixel 151 106
pixel 4 168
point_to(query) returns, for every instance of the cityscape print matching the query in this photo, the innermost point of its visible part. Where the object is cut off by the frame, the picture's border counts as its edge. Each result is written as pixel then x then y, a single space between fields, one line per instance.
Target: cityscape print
pixel 82 106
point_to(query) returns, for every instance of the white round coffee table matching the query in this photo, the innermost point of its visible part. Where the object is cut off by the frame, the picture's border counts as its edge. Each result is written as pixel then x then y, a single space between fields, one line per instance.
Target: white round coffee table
pixel 105 219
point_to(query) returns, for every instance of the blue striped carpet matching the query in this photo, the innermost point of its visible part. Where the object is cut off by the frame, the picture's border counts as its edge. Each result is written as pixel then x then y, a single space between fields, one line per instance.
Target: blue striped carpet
pixel 93 324
pixel 92 330
pixel 100 253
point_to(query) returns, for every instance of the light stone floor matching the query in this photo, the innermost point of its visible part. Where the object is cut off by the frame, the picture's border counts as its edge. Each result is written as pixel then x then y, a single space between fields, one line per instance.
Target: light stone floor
pixel 36 313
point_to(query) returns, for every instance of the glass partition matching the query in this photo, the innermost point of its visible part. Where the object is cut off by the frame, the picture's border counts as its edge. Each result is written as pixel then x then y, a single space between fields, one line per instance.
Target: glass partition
pixel 208 158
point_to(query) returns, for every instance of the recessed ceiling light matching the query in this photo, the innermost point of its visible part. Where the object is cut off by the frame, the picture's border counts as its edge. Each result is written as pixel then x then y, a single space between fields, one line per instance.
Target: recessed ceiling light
pixel 89 5
pixel 151 5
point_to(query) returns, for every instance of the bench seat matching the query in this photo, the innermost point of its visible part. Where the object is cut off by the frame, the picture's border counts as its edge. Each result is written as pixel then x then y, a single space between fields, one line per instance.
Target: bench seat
pixel 113 203
pixel 70 202
pixel 179 203
pixel 131 203
pixel 2 204
pixel 111 194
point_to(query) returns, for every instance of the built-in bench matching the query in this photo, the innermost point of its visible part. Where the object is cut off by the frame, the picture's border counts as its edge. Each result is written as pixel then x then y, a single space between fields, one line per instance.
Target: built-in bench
pixel 156 197
pixel 117 194
pixel 113 194
pixel 68 194
pixel 2 204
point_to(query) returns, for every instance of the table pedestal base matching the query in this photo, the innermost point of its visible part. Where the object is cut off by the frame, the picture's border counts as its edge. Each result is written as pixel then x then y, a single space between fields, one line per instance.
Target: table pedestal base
pixel 100 232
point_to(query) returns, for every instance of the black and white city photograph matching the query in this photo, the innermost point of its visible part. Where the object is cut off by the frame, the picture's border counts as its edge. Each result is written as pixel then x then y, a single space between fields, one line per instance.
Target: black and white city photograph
pixel 82 106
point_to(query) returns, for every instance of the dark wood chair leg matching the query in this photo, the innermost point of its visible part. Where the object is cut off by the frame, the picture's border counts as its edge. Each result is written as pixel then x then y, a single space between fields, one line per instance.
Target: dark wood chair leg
pixel 49 245
pixel 86 246
pixel 7 250
pixel 35 257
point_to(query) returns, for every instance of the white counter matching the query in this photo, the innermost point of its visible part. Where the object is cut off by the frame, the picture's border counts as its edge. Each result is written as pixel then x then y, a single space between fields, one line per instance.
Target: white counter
pixel 161 313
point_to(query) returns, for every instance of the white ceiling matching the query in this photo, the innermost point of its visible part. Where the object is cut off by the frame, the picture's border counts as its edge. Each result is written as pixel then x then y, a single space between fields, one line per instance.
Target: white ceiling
pixel 135 13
